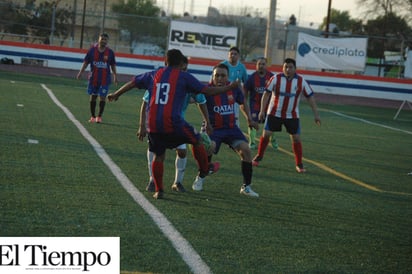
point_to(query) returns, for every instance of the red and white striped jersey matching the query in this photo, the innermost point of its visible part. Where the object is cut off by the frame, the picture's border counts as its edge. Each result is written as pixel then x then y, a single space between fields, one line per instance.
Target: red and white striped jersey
pixel 284 102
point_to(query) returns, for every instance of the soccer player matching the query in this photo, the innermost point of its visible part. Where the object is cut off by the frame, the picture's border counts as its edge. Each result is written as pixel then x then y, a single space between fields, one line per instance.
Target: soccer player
pixel 284 91
pixel 102 64
pixel 237 72
pixel 181 150
pixel 225 130
pixel 254 89
pixel 168 87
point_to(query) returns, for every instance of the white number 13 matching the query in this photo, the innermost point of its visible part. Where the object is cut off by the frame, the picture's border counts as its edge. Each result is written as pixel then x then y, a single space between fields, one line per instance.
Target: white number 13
pixel 162 94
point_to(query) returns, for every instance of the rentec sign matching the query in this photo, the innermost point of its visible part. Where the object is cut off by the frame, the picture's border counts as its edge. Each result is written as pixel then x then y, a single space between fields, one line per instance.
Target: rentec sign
pixel 200 40
pixel 347 54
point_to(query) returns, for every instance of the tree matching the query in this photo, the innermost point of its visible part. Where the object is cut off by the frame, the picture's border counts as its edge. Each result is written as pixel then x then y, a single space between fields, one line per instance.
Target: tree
pixel 343 22
pixel 140 18
pixel 13 19
pixel 250 24
pixel 36 21
pixel 374 8
pixel 41 21
pixel 386 33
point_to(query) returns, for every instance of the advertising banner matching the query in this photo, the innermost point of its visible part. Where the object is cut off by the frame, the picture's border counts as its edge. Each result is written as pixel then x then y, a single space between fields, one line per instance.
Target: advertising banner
pixel 200 40
pixel 331 53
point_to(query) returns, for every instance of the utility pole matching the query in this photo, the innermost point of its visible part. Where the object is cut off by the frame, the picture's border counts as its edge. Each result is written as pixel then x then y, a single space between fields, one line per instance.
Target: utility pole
pixel 328 19
pixel 270 33
pixel 83 17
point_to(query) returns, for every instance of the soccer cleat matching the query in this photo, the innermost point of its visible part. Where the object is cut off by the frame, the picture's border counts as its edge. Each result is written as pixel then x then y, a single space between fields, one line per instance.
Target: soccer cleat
pixel 214 167
pixel 198 184
pixel 256 160
pixel 274 143
pixel 158 195
pixel 248 191
pixel 92 119
pixel 178 187
pixel 98 119
pixel 151 187
pixel 300 168
pixel 252 146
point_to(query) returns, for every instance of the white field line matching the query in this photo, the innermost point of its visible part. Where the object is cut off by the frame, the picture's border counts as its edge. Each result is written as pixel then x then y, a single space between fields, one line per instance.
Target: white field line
pixel 367 122
pixel 182 246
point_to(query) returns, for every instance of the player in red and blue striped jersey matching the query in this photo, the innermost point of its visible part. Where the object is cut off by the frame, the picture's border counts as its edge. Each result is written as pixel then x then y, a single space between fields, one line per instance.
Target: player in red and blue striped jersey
pixel 167 129
pixel 284 91
pixel 221 109
pixel 102 65
pixel 254 88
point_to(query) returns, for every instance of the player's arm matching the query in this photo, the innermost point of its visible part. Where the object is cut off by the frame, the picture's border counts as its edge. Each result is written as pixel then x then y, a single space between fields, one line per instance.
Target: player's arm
pixel 263 105
pixel 142 131
pixel 246 112
pixel 312 103
pixel 123 89
pixel 114 72
pixel 82 69
pixel 205 115
pixel 215 90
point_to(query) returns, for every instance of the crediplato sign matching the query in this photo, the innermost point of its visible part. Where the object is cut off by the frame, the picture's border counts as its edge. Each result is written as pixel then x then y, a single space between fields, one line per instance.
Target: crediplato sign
pixel 70 255
pixel 200 40
pixel 331 53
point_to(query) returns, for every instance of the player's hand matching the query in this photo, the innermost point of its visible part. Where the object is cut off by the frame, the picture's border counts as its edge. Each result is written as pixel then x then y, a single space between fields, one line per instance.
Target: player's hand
pixel 317 120
pixel 235 84
pixel 253 124
pixel 261 117
pixel 112 97
pixel 141 133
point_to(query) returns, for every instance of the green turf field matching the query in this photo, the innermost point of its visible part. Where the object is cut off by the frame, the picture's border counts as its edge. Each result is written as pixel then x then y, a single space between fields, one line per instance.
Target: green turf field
pixel 350 213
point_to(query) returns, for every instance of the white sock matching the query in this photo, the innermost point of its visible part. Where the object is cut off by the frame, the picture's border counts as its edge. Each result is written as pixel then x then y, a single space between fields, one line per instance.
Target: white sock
pixel 150 156
pixel 180 165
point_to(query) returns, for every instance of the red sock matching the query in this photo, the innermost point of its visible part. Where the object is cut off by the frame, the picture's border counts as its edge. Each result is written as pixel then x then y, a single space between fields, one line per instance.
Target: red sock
pixel 297 149
pixel 263 144
pixel 157 172
pixel 200 155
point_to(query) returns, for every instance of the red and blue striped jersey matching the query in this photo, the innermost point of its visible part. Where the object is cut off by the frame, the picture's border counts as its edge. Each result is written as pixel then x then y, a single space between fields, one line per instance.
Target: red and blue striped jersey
pixel 221 108
pixel 100 62
pixel 284 102
pixel 168 88
pixel 256 86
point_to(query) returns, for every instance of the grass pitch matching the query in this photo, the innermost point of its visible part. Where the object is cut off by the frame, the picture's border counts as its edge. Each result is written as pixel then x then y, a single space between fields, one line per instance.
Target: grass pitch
pixel 351 212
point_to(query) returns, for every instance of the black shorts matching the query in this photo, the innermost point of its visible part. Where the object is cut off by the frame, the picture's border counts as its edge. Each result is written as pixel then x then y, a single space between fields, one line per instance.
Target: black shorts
pixel 159 142
pixel 273 123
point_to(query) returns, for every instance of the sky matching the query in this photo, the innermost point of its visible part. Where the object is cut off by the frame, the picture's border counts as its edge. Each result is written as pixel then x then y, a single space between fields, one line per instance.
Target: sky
pixel 306 11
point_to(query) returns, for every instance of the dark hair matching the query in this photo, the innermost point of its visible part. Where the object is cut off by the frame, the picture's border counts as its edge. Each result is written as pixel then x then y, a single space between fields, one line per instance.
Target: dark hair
pixel 235 49
pixel 104 34
pixel 290 61
pixel 262 58
pixel 185 60
pixel 174 57
pixel 222 66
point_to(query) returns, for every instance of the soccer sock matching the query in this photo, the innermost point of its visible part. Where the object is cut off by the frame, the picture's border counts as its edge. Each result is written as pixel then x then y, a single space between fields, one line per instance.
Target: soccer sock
pixel 157 171
pixel 200 155
pixel 93 108
pixel 149 163
pixel 101 107
pixel 297 150
pixel 180 165
pixel 247 173
pixel 252 135
pixel 263 143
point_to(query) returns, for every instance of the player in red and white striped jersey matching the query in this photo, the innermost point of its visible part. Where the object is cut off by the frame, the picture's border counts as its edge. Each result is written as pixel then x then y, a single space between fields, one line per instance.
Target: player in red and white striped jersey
pixel 284 91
